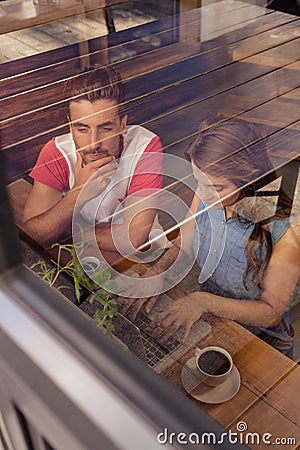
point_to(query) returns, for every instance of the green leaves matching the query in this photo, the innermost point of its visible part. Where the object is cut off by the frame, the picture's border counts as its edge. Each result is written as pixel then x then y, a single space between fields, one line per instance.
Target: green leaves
pixel 108 306
pixel 77 287
pixel 102 277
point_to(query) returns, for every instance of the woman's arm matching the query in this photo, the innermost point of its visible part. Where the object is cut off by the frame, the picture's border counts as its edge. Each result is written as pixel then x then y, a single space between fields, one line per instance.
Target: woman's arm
pixel 280 280
pixel 164 263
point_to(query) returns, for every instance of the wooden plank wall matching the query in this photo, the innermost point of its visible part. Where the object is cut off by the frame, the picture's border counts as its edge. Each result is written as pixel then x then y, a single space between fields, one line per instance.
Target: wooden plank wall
pixel 171 87
pixel 20 14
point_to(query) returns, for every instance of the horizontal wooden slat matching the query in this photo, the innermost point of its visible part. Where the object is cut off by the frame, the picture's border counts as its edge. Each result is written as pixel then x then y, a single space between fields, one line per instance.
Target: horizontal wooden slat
pixel 21 69
pixel 16 15
pixel 192 67
pixel 24 14
pixel 164 96
pixel 186 69
pixel 182 123
pixel 161 101
pixel 176 132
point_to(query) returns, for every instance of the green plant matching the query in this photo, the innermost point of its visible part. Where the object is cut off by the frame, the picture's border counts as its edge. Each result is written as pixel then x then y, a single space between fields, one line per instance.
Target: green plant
pixel 109 306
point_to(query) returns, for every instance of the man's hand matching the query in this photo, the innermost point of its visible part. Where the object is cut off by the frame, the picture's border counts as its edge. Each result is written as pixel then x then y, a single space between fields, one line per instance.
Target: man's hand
pixel 94 177
pixel 179 315
pixel 134 305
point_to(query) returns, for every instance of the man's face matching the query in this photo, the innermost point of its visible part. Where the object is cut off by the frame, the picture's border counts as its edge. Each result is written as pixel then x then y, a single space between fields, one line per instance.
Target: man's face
pixel 96 128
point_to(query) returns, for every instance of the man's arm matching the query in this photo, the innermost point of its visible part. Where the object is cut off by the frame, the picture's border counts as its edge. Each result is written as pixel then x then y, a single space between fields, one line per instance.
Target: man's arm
pixel 126 238
pixel 48 214
pixel 140 207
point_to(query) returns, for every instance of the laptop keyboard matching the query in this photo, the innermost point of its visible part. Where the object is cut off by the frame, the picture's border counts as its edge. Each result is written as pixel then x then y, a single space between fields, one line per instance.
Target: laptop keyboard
pixel 154 350
pixel 160 355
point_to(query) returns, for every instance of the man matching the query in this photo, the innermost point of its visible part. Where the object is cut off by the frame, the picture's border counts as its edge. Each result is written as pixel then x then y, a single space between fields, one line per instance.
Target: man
pixel 81 165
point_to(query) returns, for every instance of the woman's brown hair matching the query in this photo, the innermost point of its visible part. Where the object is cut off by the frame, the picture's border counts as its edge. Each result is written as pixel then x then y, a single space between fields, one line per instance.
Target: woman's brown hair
pixel 235 150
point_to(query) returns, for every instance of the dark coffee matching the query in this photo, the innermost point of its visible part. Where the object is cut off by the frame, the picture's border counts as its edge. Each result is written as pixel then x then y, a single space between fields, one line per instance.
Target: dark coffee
pixel 213 362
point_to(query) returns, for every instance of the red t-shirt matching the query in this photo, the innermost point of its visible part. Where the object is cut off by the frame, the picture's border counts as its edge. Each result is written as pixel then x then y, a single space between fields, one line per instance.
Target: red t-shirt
pixel 52 169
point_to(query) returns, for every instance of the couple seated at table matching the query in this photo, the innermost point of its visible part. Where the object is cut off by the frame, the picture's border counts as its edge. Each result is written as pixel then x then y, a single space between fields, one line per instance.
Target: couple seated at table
pixel 248 256
pixel 100 156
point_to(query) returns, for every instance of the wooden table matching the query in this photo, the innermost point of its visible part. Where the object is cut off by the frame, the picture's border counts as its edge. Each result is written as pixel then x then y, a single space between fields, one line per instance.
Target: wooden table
pixel 269 397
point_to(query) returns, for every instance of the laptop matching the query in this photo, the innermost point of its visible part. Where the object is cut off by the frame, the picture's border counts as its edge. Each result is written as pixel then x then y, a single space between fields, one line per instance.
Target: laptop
pixel 159 356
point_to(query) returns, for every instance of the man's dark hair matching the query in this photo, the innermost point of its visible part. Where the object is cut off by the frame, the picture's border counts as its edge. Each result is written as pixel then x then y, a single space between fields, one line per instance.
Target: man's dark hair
pixel 96 83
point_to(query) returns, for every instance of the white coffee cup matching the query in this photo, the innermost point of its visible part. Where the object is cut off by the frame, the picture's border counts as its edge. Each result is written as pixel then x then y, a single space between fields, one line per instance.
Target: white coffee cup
pixel 91 265
pixel 214 363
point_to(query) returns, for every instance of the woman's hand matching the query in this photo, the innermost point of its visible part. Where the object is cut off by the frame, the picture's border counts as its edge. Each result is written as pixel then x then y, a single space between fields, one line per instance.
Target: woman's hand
pixel 180 315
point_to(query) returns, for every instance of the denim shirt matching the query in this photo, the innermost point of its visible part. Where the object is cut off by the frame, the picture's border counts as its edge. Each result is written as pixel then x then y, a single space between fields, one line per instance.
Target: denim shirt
pixel 219 247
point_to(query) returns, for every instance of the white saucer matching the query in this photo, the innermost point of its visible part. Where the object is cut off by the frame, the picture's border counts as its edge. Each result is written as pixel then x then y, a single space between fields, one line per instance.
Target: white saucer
pixel 192 382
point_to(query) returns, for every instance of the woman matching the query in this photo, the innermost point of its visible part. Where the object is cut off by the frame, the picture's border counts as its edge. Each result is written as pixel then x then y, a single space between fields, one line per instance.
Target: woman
pixel 246 249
